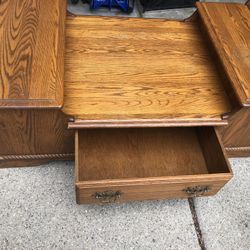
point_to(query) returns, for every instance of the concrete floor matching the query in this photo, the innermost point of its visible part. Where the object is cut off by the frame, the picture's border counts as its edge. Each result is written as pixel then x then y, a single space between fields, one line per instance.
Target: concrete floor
pixel 38 210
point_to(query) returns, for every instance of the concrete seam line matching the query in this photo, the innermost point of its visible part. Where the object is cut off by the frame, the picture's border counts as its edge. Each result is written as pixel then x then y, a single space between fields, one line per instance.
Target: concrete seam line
pixel 196 224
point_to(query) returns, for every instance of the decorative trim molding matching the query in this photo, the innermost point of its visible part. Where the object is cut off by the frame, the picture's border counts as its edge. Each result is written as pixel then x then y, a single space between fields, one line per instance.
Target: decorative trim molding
pixel 36 157
pixel 238 149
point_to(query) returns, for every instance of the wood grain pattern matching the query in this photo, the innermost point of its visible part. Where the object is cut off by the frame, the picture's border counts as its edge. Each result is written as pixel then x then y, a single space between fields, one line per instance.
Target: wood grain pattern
pixel 151 158
pixel 236 136
pixel 121 69
pixel 213 150
pixel 32 53
pixel 130 153
pixel 33 132
pixel 151 188
pixel 137 123
pixel 228 26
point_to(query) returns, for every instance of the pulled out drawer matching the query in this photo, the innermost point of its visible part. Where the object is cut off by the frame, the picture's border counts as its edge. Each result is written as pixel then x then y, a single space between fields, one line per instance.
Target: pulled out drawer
pixel 118 165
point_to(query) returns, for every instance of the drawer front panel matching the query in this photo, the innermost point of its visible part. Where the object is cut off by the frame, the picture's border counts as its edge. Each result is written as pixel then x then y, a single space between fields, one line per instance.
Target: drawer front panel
pixel 102 194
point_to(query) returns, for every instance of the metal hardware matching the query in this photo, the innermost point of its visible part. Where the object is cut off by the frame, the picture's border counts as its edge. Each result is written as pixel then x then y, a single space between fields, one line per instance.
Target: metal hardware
pixel 197 190
pixel 71 119
pixel 107 196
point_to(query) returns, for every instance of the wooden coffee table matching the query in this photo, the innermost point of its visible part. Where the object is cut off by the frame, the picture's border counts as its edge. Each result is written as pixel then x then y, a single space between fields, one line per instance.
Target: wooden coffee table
pixel 143 104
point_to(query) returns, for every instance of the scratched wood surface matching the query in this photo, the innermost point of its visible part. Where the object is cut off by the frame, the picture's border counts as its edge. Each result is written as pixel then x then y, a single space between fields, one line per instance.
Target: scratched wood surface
pixel 31 53
pixel 228 26
pixel 119 69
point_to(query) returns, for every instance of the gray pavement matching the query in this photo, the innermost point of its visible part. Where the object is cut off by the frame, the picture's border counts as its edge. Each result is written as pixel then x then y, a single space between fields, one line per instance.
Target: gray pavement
pixel 38 211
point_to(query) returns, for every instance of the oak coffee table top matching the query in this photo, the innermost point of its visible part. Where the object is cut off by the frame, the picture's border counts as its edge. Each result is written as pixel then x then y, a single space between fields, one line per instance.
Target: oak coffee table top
pixel 32 53
pixel 140 72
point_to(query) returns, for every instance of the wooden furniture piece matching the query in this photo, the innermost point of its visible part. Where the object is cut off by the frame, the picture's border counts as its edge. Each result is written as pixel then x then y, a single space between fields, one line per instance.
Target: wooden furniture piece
pixel 147 101
pixel 33 129
pixel 230 34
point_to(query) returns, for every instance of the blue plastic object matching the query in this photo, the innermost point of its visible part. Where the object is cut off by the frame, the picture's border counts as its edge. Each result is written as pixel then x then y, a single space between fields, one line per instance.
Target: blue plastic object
pixel 125 5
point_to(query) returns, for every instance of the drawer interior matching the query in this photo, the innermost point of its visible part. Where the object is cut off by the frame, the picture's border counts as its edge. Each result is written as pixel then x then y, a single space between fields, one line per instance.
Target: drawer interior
pixel 105 154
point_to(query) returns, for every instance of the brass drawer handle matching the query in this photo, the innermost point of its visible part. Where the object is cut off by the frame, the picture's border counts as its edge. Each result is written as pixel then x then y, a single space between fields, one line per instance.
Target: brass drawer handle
pixel 197 190
pixel 107 196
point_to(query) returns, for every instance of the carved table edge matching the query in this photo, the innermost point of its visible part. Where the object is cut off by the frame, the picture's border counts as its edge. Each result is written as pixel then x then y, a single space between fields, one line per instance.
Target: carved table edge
pixel 237 148
pixel 36 156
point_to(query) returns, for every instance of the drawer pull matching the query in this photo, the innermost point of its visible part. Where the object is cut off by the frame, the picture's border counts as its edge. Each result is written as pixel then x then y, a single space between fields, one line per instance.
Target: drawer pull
pixel 197 190
pixel 107 196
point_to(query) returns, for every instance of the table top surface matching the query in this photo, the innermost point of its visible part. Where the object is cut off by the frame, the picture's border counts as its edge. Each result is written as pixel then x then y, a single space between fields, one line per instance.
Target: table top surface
pixel 147 70
pixel 228 25
pixel 32 53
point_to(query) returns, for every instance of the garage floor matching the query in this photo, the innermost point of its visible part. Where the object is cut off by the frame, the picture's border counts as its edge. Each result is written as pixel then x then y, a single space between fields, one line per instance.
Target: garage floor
pixel 38 210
